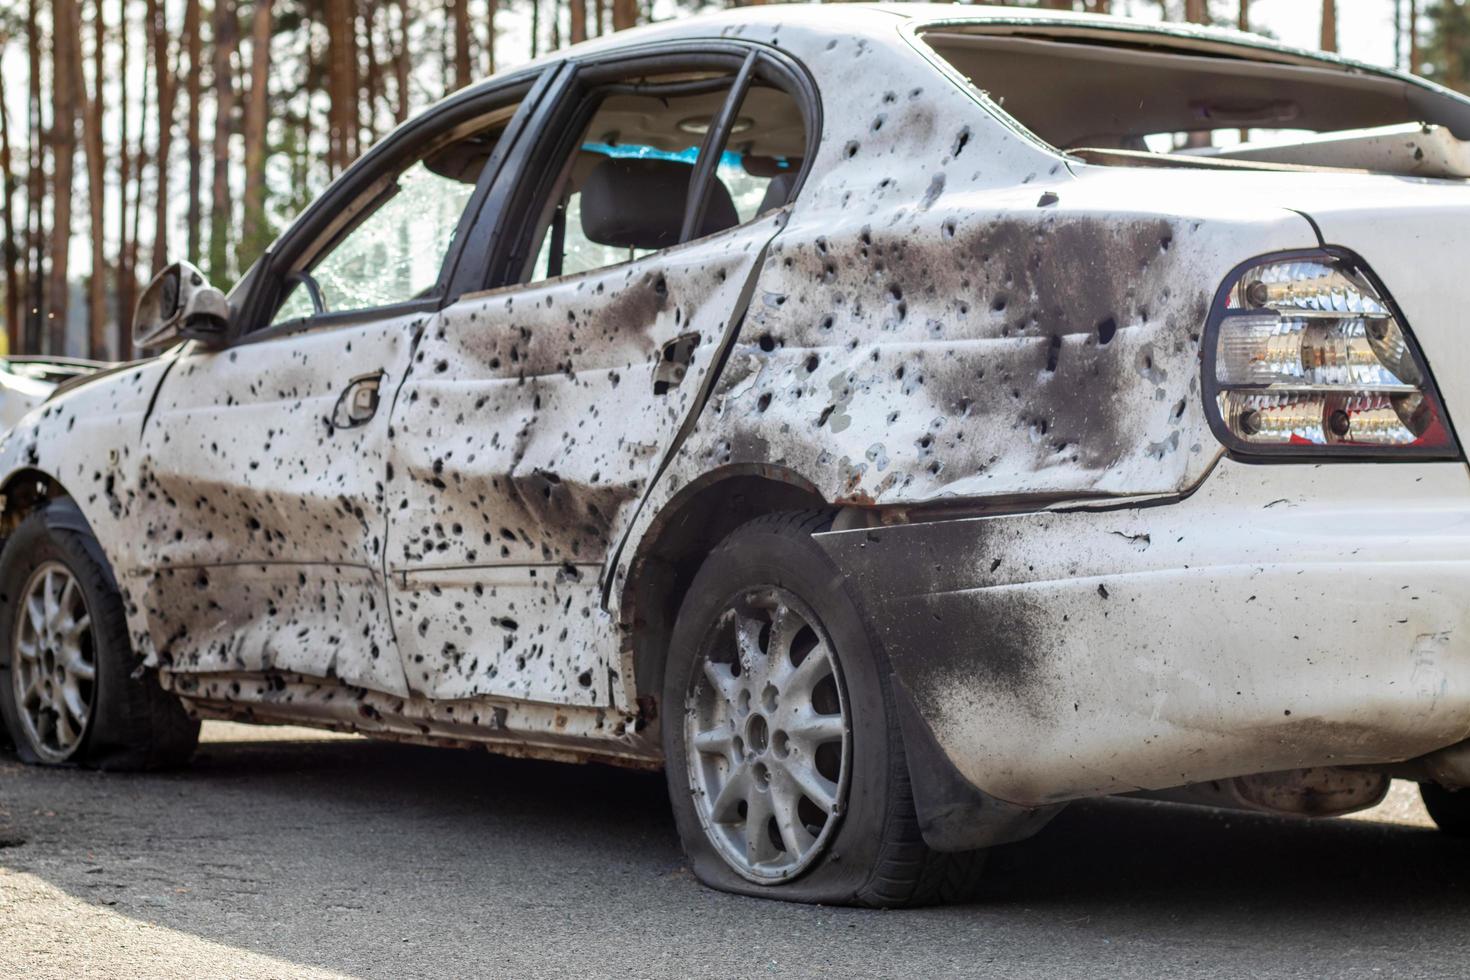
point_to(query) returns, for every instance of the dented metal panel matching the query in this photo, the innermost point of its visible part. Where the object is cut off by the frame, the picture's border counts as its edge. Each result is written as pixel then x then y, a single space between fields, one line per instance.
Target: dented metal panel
pixel 1274 620
pixel 262 511
pixel 533 420
pixel 949 316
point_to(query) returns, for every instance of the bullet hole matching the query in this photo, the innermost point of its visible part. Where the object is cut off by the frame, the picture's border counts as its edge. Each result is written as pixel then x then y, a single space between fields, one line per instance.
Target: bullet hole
pixel 441 366
pixel 925 442
pixel 878 122
pixel 1106 330
pixel 960 142
pixel 661 287
pixel 1102 590
pixel 1053 353
pixel 826 414
pixel 850 150
pixel 948 228
pixel 1165 242
pixel 766 342
pixel 936 188
pixel 994 564
pixel 1048 199
pixel 998 305
pixel 811 363
pixel 763 402
pixel 827 323
pixel 1178 411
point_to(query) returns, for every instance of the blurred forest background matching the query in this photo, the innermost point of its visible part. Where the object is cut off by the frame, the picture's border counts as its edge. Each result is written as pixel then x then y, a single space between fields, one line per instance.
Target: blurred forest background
pixel 153 130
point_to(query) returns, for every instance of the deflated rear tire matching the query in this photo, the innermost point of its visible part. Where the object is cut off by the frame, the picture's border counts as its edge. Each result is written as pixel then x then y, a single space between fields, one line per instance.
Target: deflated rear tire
pixel 785 764
pixel 70 690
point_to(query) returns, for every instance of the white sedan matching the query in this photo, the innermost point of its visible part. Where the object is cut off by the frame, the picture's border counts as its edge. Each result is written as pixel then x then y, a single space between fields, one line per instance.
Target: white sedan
pixel 895 425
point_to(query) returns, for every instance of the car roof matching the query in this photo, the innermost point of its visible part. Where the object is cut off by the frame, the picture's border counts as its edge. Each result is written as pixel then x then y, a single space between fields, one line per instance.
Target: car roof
pixel 876 18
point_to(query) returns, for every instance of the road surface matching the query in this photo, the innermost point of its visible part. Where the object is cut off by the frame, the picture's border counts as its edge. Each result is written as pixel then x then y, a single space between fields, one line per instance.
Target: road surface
pixel 284 853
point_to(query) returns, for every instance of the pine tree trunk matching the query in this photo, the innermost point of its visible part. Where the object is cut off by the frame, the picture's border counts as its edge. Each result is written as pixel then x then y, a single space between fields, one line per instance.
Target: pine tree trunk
pixel 400 62
pixel 577 22
pixel 1329 25
pixel 124 174
pixel 65 59
pixel 226 37
pixel 193 39
pixel 373 85
pixel 96 178
pixel 255 235
pixel 624 14
pixel 165 91
pixel 1197 11
pixel 8 252
pixel 599 9
pixel 1414 55
pixel 1244 20
pixel 35 191
pixel 342 84
pixel 459 12
pixel 492 7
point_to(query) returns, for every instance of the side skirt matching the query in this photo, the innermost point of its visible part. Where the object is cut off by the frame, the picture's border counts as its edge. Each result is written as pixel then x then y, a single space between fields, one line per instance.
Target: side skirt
pixel 520 729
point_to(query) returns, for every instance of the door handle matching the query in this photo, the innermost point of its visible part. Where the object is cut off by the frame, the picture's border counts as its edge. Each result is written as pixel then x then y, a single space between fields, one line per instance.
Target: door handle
pixel 673 362
pixel 358 403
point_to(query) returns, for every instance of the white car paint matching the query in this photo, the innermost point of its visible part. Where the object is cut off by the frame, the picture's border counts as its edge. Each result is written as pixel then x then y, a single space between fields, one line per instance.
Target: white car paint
pixel 950 315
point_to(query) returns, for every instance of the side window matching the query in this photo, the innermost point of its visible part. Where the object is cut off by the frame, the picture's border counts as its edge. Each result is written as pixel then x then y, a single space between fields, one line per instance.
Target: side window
pixel 395 251
pixel 622 190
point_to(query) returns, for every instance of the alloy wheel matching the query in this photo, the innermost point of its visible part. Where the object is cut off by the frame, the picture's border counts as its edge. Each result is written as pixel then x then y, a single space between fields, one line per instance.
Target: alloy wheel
pixel 768 736
pixel 54 665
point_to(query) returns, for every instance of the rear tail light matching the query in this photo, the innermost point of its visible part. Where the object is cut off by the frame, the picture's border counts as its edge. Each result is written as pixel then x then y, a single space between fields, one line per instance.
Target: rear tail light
pixel 1305 355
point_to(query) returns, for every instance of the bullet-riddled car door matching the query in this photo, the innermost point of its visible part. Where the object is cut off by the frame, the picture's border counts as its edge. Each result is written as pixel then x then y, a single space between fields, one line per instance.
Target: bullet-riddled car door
pixel 535 415
pixel 265 463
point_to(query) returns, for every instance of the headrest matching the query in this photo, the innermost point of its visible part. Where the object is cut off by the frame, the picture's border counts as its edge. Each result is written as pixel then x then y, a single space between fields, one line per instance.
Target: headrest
pixel 636 202
pixel 778 192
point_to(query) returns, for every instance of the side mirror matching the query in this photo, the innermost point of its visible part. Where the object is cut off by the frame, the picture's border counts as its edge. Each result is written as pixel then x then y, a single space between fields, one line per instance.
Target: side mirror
pixel 180 304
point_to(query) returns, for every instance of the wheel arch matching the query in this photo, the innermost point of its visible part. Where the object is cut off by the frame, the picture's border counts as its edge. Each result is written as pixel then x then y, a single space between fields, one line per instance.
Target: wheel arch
pixel 677 541
pixel 25 491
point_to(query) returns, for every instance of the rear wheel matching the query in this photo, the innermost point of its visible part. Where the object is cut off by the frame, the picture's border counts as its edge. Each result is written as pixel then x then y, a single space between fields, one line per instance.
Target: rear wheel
pixel 785 765
pixel 68 690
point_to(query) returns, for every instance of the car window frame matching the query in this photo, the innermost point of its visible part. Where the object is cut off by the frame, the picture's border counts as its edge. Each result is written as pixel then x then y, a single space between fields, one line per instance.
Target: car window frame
pixel 524 190
pixel 301 245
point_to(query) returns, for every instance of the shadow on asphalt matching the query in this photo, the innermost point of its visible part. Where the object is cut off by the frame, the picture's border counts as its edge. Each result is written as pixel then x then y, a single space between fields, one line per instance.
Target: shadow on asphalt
pixel 450 829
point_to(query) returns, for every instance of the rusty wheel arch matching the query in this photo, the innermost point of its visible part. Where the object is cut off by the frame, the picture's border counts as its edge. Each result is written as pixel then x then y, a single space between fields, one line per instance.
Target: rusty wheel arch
pixel 678 540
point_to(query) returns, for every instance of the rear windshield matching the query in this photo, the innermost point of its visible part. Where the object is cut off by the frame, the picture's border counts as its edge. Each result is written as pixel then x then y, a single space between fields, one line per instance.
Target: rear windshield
pixel 1080 89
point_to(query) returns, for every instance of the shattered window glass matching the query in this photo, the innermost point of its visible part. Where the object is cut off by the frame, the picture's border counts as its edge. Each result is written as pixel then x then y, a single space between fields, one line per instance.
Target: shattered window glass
pixel 395 254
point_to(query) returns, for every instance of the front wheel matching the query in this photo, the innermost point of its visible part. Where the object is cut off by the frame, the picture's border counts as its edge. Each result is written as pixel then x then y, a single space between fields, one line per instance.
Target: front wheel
pixel 69 689
pixel 785 764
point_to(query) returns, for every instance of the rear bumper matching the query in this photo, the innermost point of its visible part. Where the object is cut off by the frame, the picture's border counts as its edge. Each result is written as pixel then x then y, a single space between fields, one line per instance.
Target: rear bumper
pixel 1280 617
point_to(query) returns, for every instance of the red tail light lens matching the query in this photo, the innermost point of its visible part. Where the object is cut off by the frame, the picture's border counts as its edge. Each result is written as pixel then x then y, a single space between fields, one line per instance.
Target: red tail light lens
pixel 1305 355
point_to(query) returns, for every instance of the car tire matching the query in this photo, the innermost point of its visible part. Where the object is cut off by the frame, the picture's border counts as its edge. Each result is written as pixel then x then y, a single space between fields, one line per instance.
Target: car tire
pixel 866 850
pixel 1448 808
pixel 71 692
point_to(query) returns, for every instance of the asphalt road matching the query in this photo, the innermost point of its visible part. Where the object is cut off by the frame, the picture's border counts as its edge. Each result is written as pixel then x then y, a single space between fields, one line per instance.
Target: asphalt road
pixel 282 852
